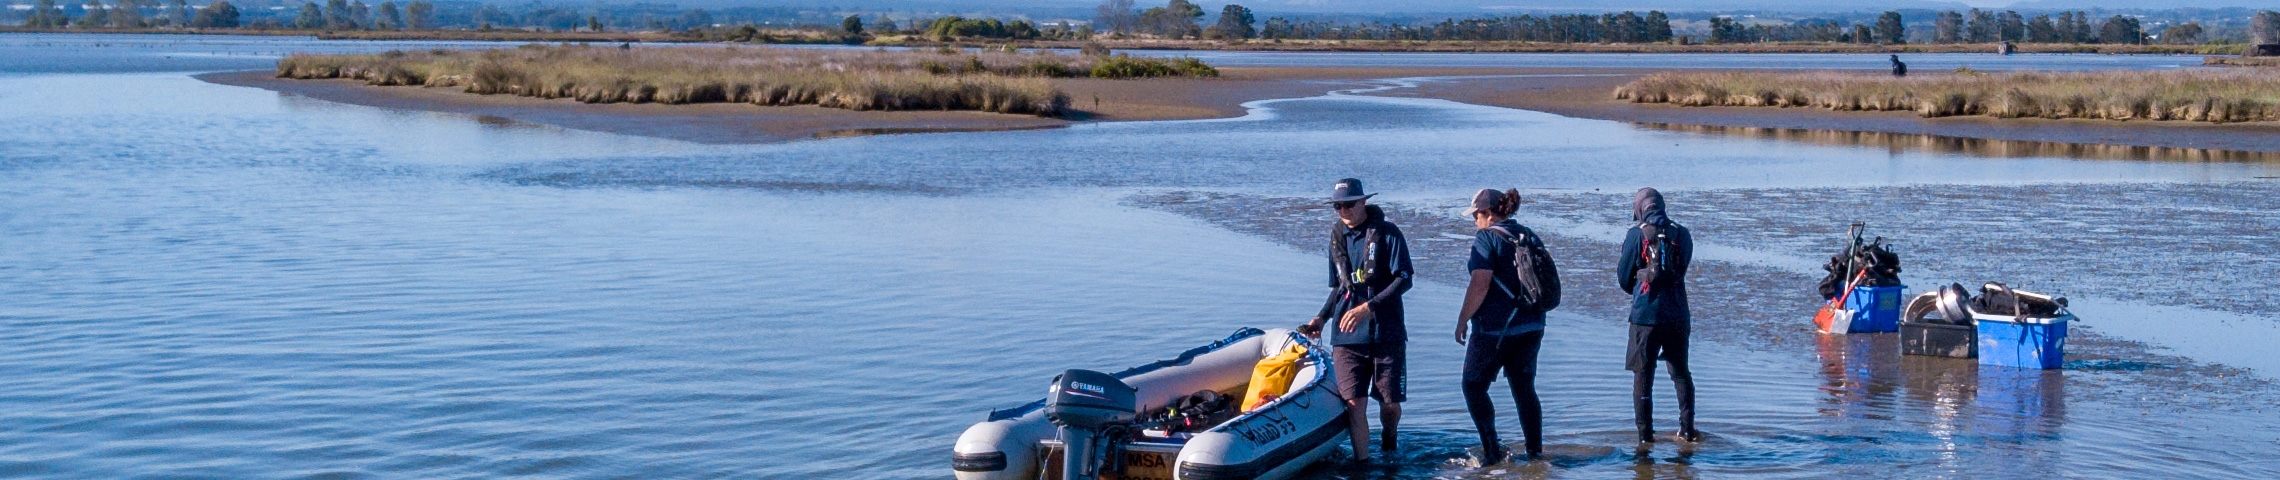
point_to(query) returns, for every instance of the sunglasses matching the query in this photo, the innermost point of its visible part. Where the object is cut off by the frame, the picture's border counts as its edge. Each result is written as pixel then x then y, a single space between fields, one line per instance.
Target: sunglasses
pixel 1345 205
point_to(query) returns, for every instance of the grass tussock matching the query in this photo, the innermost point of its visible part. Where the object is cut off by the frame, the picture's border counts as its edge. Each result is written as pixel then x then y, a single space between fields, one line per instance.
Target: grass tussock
pixel 2219 96
pixel 857 80
pixel 2233 61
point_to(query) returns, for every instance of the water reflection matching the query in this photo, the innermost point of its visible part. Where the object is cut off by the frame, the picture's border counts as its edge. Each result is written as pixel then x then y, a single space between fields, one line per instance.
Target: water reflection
pixel 1858 375
pixel 1941 144
pixel 2021 404
pixel 1948 398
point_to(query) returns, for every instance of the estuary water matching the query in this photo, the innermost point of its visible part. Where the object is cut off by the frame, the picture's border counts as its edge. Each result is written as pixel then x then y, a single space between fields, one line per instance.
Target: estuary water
pixel 204 281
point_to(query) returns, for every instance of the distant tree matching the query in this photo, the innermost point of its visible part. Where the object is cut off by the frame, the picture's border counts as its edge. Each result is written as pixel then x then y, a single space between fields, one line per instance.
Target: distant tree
pixel 1727 30
pixel 336 15
pixel 594 23
pixel 884 25
pixel 2041 30
pixel 1948 27
pixel 390 17
pixel 419 15
pixel 2121 29
pixel 853 25
pixel 1234 22
pixel 220 14
pixel 128 14
pixel 2011 27
pixel 2077 28
pixel 696 18
pixel 2264 27
pixel 1022 29
pixel 96 15
pixel 1117 16
pixel 46 15
pixel 487 14
pixel 1176 19
pixel 2187 33
pixel 310 17
pixel 359 15
pixel 177 14
pixel 1890 30
pixel 1861 34
pixel 1981 27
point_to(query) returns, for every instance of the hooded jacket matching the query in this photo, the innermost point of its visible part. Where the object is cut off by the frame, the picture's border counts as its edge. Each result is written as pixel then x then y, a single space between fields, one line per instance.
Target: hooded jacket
pixel 1664 301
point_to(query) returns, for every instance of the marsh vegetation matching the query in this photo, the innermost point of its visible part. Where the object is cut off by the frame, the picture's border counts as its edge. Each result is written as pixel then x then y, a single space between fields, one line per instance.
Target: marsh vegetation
pixel 948 79
pixel 2220 96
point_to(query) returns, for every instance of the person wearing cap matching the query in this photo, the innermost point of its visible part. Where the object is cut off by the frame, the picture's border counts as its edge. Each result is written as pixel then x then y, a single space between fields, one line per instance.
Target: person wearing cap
pixel 1369 270
pixel 1504 335
pixel 1652 268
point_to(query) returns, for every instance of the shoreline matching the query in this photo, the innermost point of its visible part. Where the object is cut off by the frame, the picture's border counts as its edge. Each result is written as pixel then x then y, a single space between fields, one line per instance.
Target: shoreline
pixel 1095 100
pixel 1251 45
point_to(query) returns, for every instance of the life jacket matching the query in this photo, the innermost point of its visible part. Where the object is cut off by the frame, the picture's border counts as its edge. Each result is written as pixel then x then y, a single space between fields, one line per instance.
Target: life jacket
pixel 1376 270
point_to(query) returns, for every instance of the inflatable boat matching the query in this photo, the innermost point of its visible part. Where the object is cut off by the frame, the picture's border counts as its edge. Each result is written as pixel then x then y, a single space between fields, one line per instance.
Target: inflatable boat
pixel 1171 419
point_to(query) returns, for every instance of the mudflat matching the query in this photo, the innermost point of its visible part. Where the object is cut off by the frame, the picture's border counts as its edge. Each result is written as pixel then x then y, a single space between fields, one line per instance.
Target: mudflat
pixel 1581 93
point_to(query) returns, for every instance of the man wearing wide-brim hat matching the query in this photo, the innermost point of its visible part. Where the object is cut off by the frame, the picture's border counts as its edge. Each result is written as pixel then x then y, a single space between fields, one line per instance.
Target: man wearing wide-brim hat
pixel 1369 270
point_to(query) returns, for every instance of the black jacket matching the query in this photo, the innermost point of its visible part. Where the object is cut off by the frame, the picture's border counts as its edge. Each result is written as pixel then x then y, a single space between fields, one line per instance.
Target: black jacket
pixel 1664 301
pixel 1387 275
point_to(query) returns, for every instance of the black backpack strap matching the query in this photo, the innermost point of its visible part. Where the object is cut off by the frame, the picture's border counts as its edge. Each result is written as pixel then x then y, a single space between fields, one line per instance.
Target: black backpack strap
pixel 1341 259
pixel 1518 242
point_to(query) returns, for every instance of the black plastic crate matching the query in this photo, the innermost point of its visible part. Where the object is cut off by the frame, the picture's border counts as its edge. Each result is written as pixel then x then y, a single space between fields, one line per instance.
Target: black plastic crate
pixel 1939 340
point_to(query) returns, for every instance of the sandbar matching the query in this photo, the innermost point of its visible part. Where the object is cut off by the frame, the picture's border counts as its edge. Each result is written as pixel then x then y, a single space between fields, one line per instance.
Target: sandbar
pixel 1572 92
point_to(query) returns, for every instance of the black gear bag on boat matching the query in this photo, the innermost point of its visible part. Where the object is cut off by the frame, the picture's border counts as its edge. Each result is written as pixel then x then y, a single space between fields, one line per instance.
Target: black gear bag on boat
pixel 1539 288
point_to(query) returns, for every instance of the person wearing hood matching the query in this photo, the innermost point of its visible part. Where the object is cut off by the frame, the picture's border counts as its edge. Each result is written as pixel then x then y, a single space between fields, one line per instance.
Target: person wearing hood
pixel 1369 270
pixel 1652 268
pixel 1504 326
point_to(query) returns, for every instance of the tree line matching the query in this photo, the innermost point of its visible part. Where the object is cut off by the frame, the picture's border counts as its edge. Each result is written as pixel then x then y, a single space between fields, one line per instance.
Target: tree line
pixel 334 15
pixel 1175 19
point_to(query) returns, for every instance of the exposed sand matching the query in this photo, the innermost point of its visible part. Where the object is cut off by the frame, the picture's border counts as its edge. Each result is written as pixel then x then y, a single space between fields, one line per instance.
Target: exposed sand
pixel 1593 97
pixel 1175 99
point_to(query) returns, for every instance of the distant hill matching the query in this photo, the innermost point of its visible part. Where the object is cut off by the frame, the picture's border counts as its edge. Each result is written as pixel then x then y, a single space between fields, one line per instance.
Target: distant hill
pixel 1465 7
pixel 2142 4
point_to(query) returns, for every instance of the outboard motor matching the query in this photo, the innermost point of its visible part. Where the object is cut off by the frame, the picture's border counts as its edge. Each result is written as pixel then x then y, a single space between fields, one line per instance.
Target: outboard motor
pixel 1952 301
pixel 1085 403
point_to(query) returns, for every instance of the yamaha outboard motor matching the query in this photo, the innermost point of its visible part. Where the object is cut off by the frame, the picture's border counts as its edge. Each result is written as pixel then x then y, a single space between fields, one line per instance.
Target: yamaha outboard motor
pixel 1085 403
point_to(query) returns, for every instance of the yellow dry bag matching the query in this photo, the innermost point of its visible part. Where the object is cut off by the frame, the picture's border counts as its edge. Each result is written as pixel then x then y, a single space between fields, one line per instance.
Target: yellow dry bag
pixel 1272 377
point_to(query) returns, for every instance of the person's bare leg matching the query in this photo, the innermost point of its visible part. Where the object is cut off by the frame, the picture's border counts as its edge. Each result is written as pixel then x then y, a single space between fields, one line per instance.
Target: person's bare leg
pixel 1389 416
pixel 1358 427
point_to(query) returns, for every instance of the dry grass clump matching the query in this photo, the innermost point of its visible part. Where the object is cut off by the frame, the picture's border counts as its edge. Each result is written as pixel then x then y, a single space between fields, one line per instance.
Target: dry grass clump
pixel 2235 61
pixel 2191 95
pixel 858 80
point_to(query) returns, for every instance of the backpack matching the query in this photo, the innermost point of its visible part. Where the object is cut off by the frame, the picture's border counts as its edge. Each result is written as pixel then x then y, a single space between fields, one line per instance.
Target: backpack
pixel 1539 278
pixel 1654 255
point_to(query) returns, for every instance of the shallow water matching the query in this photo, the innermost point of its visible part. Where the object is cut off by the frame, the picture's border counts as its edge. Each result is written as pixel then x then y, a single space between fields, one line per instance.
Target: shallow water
pixel 212 281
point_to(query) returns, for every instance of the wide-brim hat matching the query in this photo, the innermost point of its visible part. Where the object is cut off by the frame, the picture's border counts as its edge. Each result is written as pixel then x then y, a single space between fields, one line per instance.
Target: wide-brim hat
pixel 1348 190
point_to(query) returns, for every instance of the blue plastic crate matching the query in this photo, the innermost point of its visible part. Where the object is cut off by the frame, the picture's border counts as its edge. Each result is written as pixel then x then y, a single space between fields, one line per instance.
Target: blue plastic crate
pixel 2022 342
pixel 1875 309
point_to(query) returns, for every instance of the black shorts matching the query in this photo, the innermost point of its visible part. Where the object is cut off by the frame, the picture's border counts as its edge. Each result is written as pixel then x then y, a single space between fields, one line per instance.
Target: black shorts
pixel 1650 342
pixel 1378 371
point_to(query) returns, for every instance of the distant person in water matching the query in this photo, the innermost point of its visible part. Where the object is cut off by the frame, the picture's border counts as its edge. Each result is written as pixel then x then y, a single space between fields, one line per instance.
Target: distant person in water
pixel 1652 268
pixel 1899 69
pixel 1503 319
pixel 1369 270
